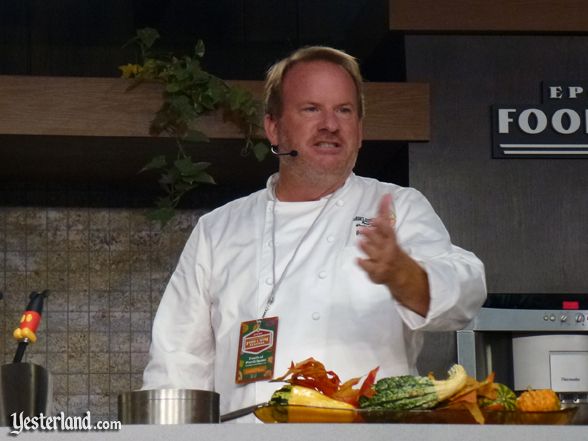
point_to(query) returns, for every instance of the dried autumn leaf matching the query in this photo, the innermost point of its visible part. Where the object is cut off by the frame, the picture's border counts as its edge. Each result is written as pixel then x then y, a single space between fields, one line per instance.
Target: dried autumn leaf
pixel 472 408
pixel 346 393
pixel 349 395
pixel 312 374
pixel 478 386
pixel 467 397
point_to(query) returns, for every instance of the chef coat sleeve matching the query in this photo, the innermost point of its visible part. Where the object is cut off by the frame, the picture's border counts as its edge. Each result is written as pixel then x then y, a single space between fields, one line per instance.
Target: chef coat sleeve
pixel 456 277
pixel 182 346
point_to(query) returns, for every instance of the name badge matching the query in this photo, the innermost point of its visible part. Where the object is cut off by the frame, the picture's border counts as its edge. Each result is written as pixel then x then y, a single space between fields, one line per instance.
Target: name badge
pixel 257 349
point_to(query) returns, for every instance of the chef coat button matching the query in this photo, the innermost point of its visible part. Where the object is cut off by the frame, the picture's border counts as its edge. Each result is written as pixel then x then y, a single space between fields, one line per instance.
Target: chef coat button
pixel 316 315
pixel 322 274
pixel 269 281
pixel 330 239
pixel 340 203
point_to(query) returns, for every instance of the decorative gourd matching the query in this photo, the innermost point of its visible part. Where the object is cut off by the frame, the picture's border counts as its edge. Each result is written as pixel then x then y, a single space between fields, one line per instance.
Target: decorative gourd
pixel 505 399
pixel 413 392
pixel 305 396
pixel 540 400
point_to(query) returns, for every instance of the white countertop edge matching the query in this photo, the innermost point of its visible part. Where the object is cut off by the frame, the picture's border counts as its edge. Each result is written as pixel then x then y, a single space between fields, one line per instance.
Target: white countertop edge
pixel 322 432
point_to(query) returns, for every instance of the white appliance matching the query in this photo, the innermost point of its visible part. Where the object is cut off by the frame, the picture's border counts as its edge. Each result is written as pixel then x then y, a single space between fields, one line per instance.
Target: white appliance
pixel 530 341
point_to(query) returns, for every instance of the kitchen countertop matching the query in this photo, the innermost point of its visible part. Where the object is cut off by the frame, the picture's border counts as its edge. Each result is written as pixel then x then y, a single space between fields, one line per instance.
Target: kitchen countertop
pixel 324 432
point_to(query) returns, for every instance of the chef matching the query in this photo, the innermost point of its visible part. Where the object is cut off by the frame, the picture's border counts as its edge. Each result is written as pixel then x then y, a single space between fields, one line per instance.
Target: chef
pixel 321 263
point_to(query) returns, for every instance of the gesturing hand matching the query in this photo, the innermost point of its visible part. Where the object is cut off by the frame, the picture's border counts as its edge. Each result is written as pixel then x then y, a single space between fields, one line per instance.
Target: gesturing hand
pixel 379 244
pixel 386 262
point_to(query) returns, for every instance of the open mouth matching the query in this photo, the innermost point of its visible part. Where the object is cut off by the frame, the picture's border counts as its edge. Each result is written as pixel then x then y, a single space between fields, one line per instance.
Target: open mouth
pixel 327 145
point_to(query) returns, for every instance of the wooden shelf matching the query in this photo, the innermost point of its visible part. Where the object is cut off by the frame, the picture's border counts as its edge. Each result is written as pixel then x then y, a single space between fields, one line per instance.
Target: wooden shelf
pixel 68 106
pixel 74 131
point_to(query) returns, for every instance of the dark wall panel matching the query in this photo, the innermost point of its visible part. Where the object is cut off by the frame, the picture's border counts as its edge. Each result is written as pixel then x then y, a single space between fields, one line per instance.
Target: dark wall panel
pixel 526 218
pixel 79 38
pixel 242 37
pixel 14 37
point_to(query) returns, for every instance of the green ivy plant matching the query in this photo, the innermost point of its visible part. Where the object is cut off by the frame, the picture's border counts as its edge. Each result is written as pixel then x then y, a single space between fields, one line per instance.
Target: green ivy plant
pixel 189 93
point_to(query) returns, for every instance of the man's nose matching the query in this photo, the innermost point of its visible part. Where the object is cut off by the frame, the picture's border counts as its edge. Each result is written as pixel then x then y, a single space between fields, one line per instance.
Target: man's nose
pixel 330 121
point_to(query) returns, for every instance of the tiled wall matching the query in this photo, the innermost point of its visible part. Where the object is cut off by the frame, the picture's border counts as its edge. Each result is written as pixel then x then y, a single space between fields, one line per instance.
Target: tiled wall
pixel 106 269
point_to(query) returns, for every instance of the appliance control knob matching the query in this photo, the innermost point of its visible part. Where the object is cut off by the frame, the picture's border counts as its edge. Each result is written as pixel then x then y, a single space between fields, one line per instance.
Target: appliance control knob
pixel 552 317
pixel 563 318
pixel 580 318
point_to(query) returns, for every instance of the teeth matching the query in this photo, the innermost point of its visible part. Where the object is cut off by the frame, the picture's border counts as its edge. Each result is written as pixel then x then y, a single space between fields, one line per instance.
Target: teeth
pixel 326 144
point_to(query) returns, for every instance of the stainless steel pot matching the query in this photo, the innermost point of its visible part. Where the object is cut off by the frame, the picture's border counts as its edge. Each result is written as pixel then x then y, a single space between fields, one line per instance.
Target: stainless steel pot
pixel 168 406
pixel 26 388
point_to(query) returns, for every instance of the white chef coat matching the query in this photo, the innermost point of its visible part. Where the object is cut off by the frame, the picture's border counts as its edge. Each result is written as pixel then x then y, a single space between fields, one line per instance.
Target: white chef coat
pixel 327 306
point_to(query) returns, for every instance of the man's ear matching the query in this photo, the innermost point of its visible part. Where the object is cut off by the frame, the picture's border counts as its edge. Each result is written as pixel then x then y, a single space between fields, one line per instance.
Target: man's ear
pixel 270 124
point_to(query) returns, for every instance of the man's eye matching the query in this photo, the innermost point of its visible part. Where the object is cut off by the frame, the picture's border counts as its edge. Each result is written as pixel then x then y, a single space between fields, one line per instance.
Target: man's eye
pixel 346 110
pixel 310 109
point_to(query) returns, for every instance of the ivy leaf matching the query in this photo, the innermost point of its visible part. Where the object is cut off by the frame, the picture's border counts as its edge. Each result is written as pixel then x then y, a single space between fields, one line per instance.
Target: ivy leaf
pixel 155 164
pixel 237 97
pixel 196 136
pixel 173 87
pixel 163 215
pixel 189 92
pixel 168 178
pixel 204 178
pixel 181 73
pixel 188 168
pixel 198 75
pixel 208 101
pixel 148 36
pixel 181 105
pixel 260 150
pixel 217 91
pixel 164 202
pixel 199 49
pixel 185 187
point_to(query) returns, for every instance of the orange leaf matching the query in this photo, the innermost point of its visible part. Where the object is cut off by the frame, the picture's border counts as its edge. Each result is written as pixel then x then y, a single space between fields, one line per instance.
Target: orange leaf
pixel 367 387
pixel 475 411
pixel 312 374
pixel 472 408
pixel 470 397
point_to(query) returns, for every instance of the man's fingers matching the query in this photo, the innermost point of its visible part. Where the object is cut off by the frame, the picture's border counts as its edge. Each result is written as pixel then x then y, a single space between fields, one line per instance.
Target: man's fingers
pixel 379 230
pixel 384 208
pixel 378 242
pixel 371 249
pixel 367 265
pixel 371 268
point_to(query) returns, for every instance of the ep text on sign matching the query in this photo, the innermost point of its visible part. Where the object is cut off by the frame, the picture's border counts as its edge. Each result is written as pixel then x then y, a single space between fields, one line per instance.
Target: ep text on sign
pixel 556 128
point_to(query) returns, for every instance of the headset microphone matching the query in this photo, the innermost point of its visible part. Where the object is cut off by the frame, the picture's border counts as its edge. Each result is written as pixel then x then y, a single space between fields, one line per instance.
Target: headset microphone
pixel 274 150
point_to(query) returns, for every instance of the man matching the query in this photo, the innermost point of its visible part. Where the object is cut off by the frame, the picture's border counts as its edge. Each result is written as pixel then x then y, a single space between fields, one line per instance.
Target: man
pixel 352 269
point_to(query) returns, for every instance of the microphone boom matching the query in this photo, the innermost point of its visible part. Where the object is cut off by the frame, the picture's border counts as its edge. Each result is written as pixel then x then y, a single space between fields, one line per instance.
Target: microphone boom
pixel 275 151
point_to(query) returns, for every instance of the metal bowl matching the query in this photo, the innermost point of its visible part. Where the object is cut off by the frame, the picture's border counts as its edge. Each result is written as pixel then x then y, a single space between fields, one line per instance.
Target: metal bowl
pixel 168 406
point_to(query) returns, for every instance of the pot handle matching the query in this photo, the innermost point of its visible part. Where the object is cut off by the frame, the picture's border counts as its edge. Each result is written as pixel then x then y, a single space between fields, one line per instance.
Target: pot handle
pixel 240 412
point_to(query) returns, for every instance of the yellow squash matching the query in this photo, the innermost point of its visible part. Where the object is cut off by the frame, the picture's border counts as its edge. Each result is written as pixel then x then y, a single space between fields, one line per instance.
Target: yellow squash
pixel 299 404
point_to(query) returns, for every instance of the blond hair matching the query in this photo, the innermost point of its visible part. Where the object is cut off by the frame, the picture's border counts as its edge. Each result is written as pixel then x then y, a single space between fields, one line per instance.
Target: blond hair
pixel 276 74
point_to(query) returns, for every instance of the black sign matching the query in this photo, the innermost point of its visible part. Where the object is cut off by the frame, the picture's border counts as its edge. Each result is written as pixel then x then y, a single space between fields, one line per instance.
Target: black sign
pixel 558 128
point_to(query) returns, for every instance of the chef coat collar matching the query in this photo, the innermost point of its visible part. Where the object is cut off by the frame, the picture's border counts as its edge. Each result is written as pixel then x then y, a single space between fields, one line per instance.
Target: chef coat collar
pixel 273 180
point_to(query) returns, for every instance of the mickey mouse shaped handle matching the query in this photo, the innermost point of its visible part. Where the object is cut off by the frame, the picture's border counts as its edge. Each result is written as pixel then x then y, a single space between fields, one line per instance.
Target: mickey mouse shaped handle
pixel 29 322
